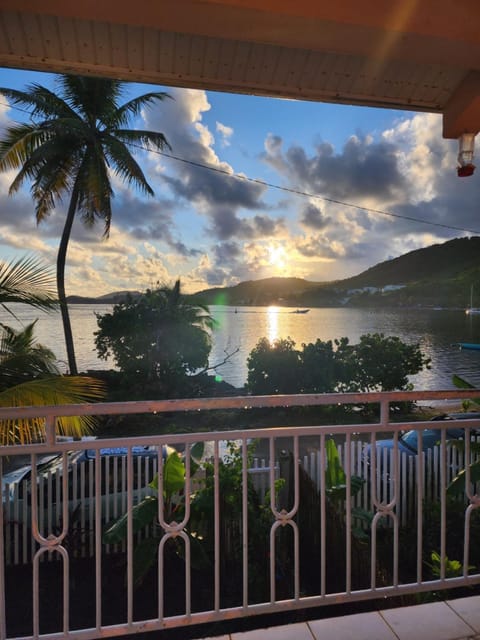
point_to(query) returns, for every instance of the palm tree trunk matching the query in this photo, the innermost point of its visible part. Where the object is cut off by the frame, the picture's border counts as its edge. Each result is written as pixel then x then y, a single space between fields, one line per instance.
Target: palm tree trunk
pixel 62 298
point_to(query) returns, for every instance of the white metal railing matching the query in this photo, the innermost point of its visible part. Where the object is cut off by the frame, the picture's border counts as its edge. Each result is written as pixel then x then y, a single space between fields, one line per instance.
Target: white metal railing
pixel 20 548
pixel 221 552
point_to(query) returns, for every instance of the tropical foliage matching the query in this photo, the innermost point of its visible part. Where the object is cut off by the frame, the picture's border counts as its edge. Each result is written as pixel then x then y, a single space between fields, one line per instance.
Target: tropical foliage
pixel 376 363
pixel 75 138
pixel 159 339
pixel 28 372
pixel 201 522
pixel 26 280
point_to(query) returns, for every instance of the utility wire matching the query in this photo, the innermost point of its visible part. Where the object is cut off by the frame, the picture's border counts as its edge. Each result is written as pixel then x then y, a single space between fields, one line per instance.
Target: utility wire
pixel 297 192
pixel 306 194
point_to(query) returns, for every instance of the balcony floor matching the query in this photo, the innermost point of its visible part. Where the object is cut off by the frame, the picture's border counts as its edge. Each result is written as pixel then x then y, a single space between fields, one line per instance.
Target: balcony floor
pixel 450 620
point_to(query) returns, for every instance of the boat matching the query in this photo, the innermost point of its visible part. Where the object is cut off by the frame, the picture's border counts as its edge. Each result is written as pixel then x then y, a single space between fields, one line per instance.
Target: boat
pixel 468 345
pixel 301 311
pixel 471 310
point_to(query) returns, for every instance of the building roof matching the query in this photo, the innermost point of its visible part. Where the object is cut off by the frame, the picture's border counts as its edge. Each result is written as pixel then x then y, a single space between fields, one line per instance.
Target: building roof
pixel 422 55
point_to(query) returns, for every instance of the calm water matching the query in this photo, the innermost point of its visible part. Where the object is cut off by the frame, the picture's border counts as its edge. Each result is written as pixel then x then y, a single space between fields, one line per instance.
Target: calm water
pixel 434 330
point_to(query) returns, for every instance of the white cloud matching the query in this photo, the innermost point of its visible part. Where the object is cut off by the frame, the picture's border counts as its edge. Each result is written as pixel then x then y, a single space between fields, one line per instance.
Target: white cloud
pixel 225 132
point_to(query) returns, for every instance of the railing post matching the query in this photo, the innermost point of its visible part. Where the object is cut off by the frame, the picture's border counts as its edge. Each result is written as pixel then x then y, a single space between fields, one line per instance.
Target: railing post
pixel 3 624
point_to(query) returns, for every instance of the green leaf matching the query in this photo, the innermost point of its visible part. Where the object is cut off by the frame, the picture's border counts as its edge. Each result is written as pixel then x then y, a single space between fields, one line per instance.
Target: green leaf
pixel 143 513
pixel 197 451
pixel 334 474
pixel 144 557
pixel 173 476
pixel 457 486
pixel 461 383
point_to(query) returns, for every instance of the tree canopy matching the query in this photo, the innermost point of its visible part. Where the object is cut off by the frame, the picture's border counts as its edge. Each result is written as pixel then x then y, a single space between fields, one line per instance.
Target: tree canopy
pixel 376 363
pixel 159 338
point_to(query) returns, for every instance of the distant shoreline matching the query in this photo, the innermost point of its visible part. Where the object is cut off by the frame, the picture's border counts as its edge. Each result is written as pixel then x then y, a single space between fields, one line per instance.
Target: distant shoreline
pixel 112 301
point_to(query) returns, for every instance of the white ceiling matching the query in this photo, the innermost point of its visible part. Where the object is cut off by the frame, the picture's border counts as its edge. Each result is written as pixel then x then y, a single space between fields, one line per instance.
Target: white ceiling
pixel 410 54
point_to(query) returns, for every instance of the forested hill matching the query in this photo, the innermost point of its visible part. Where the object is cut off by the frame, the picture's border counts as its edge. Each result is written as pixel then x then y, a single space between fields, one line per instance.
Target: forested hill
pixel 258 292
pixel 438 276
pixel 452 259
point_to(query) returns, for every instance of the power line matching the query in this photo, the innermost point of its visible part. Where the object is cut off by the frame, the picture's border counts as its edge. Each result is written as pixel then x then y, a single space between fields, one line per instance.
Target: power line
pixel 306 194
pixel 297 192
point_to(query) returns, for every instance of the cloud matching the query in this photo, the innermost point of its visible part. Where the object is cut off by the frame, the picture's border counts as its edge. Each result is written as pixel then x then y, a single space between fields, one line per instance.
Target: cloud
pixel 313 218
pixel 225 132
pixel 363 169
pixel 203 180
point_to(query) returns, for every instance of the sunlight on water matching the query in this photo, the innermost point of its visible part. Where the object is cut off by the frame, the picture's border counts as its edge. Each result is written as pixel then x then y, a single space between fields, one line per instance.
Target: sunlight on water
pixel 272 324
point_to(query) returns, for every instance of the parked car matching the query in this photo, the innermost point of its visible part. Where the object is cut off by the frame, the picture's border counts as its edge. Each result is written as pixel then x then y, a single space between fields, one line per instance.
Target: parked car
pixel 408 442
pixel 17 489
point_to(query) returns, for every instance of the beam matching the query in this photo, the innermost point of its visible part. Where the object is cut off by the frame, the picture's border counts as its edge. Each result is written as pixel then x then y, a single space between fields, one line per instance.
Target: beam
pixel 462 112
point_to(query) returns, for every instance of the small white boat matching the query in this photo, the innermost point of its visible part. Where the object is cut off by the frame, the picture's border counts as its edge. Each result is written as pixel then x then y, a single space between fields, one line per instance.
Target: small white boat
pixel 471 310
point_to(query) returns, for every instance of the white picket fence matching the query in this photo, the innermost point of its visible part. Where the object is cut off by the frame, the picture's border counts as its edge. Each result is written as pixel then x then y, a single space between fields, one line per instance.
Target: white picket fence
pixel 19 545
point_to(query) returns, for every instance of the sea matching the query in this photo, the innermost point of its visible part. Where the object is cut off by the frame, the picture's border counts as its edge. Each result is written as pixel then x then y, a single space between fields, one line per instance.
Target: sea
pixel 437 331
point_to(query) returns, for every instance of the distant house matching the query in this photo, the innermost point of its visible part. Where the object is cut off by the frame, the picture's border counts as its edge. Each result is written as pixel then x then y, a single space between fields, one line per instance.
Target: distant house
pixel 392 287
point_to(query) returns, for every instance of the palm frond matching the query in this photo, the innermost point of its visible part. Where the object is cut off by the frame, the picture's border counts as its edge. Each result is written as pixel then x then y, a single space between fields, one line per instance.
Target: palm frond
pixel 95 190
pixel 124 113
pixel 148 140
pixel 90 96
pixel 53 178
pixel 29 281
pixel 40 100
pixel 19 143
pixel 22 358
pixel 48 391
pixel 124 165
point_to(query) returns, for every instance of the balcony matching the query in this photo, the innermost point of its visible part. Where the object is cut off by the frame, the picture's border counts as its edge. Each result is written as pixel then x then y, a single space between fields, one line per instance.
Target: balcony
pixel 248 522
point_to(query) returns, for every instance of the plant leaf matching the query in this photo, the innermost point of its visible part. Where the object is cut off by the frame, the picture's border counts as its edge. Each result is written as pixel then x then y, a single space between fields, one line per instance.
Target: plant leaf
pixel 457 486
pixel 143 513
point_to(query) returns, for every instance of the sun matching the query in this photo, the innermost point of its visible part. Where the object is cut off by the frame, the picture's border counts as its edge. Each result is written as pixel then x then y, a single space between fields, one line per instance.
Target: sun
pixel 277 256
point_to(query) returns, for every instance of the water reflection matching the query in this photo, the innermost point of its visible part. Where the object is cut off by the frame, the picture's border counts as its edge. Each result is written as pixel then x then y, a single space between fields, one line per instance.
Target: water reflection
pixel 436 332
pixel 272 324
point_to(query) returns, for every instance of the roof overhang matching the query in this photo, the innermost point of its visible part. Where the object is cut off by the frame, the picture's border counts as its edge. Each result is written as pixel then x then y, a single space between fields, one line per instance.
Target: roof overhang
pixel 422 55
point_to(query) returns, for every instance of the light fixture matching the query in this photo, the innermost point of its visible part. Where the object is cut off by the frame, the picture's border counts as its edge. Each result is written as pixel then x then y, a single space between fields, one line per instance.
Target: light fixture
pixel 466 146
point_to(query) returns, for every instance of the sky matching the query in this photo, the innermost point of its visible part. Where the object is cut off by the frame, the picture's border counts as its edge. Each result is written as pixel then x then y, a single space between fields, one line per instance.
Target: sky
pixel 348 187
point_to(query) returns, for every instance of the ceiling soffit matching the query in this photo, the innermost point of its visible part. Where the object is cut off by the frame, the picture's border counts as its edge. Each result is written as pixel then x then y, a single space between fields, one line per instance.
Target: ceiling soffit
pixel 359 53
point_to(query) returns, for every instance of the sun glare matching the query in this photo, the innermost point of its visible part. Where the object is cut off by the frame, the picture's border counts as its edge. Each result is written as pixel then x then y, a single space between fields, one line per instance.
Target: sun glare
pixel 277 256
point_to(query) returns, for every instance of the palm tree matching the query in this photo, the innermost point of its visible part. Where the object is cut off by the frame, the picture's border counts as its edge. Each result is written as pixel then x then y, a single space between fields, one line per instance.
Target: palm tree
pixel 76 136
pixel 28 372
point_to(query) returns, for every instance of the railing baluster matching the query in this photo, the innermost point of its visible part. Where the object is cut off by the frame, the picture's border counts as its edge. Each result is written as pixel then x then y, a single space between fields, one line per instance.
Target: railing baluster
pixel 129 535
pixel 245 532
pixel 98 541
pixel 3 611
pixel 443 503
pixel 348 517
pixel 216 512
pixel 323 518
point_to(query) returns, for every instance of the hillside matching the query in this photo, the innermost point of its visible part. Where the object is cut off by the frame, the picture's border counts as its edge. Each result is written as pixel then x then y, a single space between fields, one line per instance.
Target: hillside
pixel 109 298
pixel 438 262
pixel 437 276
pixel 257 292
